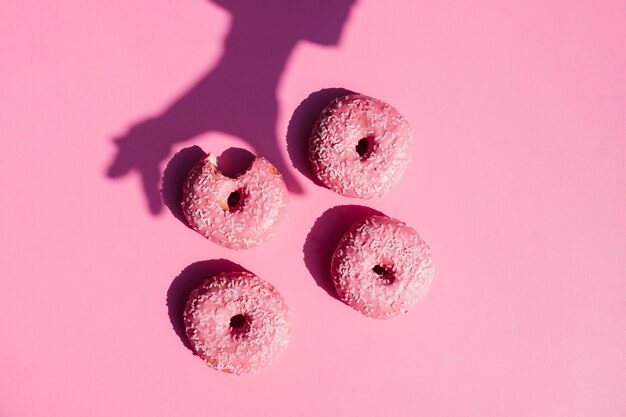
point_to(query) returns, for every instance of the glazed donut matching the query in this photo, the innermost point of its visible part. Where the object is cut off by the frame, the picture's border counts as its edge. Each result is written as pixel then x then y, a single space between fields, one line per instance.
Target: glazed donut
pixel 239 212
pixel 237 323
pixel 381 267
pixel 359 146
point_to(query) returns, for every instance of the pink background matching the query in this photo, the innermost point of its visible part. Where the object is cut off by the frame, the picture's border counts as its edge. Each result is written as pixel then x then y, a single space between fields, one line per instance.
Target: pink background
pixel 518 182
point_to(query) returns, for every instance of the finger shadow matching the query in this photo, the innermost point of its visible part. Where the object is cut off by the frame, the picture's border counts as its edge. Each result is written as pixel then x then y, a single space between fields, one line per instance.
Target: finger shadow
pixel 324 237
pixel 137 151
pixel 188 280
pixel 301 125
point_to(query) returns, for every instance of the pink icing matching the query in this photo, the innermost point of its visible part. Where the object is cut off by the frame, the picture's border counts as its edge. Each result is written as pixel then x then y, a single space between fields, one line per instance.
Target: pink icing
pixel 237 323
pixel 382 267
pixel 237 212
pixel 359 146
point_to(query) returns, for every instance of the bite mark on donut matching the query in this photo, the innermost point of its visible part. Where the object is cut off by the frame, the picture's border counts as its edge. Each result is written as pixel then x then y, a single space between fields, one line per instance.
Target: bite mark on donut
pixel 211 160
pixel 239 212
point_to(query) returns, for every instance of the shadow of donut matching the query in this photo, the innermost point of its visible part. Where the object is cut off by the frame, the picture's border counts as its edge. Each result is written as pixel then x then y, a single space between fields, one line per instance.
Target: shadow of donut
pixel 324 237
pixel 188 280
pixel 174 177
pixel 301 125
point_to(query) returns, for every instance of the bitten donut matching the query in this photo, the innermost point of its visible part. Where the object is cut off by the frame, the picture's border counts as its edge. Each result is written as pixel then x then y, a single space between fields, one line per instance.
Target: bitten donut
pixel 359 146
pixel 237 323
pixel 381 267
pixel 237 212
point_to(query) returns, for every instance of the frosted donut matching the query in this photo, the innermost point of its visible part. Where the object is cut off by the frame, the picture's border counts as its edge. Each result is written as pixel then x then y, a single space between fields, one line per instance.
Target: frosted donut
pixel 381 267
pixel 239 212
pixel 237 323
pixel 359 146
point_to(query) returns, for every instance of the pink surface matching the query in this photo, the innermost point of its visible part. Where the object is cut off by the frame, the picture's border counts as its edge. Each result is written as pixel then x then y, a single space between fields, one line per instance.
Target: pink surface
pixel 518 183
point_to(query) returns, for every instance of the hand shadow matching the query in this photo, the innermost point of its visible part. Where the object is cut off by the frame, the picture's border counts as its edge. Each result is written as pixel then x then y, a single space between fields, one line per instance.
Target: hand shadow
pixel 188 280
pixel 238 95
pixel 324 237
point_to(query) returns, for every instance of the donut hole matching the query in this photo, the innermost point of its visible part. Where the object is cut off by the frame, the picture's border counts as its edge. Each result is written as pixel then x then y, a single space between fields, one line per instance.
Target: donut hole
pixel 234 200
pixel 364 147
pixel 238 321
pixel 239 325
pixel 385 274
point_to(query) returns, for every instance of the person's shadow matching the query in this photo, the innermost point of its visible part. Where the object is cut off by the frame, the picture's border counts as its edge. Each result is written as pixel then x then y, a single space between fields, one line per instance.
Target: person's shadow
pixel 238 95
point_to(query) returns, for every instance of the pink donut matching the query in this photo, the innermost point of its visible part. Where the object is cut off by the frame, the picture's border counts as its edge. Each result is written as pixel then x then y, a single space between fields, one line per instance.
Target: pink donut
pixel 239 212
pixel 381 267
pixel 359 146
pixel 237 323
